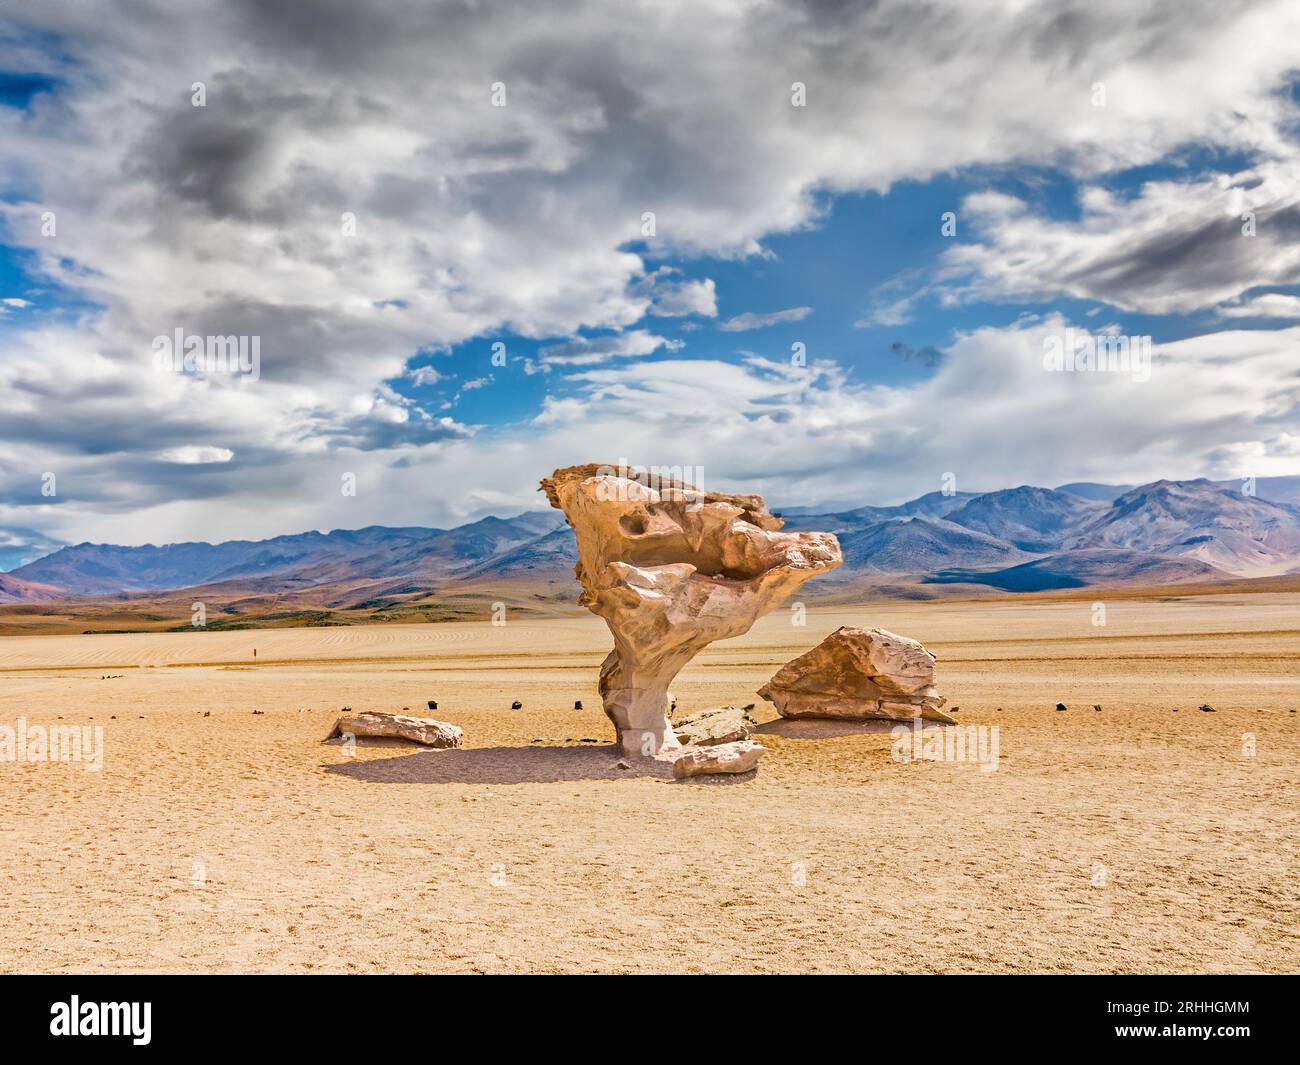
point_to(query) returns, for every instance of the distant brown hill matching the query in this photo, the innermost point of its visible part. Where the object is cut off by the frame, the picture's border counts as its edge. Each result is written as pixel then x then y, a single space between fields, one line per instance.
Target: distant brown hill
pixel 15 590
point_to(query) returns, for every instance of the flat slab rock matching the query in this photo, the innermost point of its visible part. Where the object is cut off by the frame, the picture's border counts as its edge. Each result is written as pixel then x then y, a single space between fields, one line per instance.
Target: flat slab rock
pixel 723 724
pixel 738 757
pixel 859 674
pixel 423 730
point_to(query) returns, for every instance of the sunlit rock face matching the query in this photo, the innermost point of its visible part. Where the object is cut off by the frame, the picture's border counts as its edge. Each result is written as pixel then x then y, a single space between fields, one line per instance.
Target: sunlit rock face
pixel 386 725
pixel 722 724
pixel 859 674
pixel 738 757
pixel 671 569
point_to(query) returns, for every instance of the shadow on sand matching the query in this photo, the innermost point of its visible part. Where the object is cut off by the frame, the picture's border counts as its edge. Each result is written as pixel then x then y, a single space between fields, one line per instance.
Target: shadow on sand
pixel 514 765
pixel 823 729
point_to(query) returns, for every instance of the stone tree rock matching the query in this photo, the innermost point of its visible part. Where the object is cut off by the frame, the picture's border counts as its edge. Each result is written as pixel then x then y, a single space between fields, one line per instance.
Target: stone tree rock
pixel 858 674
pixel 671 569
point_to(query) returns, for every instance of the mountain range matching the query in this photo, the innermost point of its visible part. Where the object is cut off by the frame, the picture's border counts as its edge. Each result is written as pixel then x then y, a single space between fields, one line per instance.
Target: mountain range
pixel 1015 540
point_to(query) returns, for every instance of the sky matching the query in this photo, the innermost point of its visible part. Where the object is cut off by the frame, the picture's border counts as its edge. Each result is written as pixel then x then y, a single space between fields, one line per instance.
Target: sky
pixel 813 250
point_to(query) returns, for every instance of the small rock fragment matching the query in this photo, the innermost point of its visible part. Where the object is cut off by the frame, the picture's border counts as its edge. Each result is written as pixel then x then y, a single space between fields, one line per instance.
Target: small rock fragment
pixel 724 724
pixel 739 757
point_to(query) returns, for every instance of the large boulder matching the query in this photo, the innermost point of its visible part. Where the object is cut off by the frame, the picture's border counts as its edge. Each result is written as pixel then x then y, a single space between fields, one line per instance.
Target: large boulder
pixel 423 730
pixel 724 724
pixel 672 568
pixel 739 757
pixel 859 674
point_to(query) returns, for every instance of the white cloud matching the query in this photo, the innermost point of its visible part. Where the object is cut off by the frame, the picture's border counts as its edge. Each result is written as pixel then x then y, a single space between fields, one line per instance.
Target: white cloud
pixel 1220 405
pixel 1176 246
pixel 678 299
pixel 423 376
pixel 1269 305
pixel 588 351
pixel 742 323
pixel 991 414
pixel 196 455
pixel 891 313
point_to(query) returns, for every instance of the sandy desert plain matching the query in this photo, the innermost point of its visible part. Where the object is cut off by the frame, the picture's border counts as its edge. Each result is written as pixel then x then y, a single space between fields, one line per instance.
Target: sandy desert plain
pixel 1144 837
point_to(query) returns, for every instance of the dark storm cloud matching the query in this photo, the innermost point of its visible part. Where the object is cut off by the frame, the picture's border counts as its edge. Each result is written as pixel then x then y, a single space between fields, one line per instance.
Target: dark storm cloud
pixel 1175 246
pixel 1208 256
